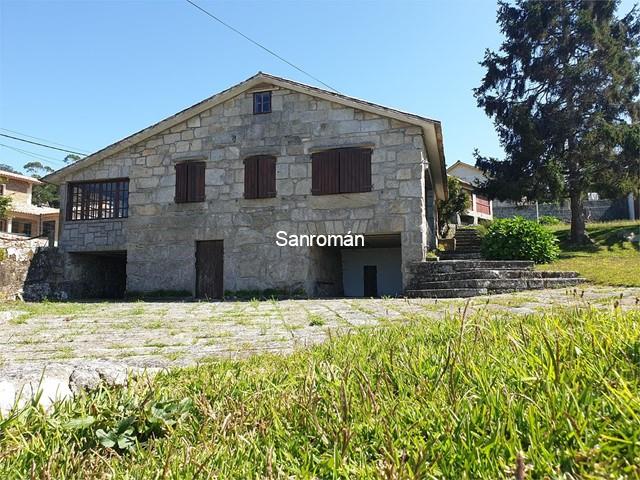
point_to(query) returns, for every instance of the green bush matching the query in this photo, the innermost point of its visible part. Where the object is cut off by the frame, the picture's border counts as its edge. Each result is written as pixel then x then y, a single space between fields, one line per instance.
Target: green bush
pixel 519 239
pixel 549 220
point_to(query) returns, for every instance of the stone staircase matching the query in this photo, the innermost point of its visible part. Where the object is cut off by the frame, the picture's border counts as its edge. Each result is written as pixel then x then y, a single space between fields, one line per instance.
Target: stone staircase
pixel 472 277
pixel 467 246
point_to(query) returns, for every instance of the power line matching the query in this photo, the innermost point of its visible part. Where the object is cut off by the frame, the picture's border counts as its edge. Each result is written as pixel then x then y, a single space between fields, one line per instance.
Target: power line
pixel 260 45
pixel 50 142
pixel 41 144
pixel 37 156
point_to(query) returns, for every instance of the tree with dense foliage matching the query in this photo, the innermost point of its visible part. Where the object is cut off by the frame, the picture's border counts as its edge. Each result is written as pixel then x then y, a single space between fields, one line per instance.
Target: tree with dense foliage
pixel 5 201
pixel 5 204
pixel 45 193
pixel 563 94
pixel 455 204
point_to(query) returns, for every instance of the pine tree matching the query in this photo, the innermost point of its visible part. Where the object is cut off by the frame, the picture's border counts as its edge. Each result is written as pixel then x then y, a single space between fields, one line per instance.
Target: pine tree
pixel 563 94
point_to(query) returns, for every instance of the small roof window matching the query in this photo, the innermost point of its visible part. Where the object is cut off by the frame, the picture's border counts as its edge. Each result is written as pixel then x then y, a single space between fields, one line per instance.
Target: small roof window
pixel 261 102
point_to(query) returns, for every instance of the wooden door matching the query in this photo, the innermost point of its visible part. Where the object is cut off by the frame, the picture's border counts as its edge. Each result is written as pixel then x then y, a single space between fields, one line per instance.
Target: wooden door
pixel 370 281
pixel 209 263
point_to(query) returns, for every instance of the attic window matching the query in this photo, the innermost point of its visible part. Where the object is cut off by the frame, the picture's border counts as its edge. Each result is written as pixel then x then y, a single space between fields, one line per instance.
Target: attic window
pixel 261 102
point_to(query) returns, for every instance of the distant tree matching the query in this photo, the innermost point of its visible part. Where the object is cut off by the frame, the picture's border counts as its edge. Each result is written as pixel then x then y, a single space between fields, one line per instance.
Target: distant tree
pixel 5 205
pixel 563 93
pixel 46 193
pixel 8 168
pixel 5 200
pixel 72 158
pixel 455 204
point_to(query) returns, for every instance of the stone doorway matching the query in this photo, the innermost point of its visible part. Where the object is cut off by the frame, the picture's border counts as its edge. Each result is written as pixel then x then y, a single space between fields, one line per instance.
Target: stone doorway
pixel 98 275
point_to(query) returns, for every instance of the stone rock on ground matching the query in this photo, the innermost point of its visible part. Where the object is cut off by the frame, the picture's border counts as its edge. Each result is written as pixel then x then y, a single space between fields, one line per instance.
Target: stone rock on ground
pixel 84 379
pixel 59 382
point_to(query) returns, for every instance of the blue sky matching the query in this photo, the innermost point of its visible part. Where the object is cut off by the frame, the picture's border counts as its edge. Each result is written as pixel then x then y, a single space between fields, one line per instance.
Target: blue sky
pixel 86 74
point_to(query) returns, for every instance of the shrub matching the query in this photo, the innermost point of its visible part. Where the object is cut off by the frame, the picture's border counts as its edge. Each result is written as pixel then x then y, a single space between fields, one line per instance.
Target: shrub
pixel 519 239
pixel 457 202
pixel 549 220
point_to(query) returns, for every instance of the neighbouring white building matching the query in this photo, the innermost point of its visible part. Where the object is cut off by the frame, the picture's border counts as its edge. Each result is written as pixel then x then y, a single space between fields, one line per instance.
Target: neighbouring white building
pixel 470 177
pixel 24 218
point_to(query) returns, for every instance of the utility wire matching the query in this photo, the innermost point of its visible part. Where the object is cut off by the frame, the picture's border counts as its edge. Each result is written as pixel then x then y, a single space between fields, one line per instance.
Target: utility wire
pixel 259 45
pixel 41 144
pixel 37 156
pixel 50 142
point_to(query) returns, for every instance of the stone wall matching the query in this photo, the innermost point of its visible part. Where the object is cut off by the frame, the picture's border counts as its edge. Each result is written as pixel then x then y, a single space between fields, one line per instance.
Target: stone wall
pixel 595 210
pixel 159 235
pixel 32 271
pixel 15 261
pixel 94 235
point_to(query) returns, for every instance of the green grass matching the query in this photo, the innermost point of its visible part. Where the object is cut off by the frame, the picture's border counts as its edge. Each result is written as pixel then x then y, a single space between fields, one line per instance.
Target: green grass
pixel 315 320
pixel 47 308
pixel 453 398
pixel 610 261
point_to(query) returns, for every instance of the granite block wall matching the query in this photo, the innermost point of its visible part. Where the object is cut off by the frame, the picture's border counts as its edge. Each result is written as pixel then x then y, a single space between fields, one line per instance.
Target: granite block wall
pixel 159 235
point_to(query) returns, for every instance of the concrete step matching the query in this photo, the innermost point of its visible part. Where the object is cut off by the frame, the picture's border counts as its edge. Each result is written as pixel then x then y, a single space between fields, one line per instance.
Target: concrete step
pixel 491 284
pixel 449 266
pixel 500 274
pixel 558 274
pixel 449 293
pixel 473 292
pixel 563 282
pixel 456 255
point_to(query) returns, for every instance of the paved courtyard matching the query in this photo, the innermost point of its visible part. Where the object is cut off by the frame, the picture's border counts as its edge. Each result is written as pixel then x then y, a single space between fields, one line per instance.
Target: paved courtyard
pixel 166 334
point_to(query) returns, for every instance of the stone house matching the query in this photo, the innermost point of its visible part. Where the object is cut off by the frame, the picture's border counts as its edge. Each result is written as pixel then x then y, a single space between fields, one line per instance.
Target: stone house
pixel 481 207
pixel 194 202
pixel 25 219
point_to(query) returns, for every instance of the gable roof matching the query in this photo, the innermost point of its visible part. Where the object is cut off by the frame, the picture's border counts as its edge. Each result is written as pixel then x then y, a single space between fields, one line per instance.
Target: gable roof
pixel 432 130
pixel 462 164
pixel 19 177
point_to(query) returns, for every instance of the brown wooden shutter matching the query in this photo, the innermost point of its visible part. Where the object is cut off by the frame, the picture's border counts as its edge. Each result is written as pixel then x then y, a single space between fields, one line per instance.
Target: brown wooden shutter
pixel 251 177
pixel 190 179
pixel 196 181
pixel 266 176
pixel 355 170
pixel 181 182
pixel 325 172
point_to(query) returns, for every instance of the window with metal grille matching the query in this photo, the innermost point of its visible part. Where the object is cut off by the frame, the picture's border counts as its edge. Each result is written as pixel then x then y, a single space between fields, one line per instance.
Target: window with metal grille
pixel 341 170
pixel 260 176
pixel 104 199
pixel 262 102
pixel 190 178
